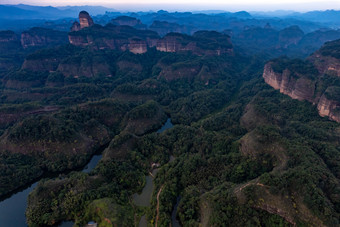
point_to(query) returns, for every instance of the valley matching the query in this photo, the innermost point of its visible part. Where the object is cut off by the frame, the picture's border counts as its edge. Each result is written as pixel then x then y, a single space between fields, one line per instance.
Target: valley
pixel 140 122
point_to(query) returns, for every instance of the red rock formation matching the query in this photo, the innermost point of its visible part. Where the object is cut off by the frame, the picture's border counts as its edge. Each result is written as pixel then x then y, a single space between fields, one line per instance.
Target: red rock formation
pixel 40 37
pixel 138 46
pixel 85 20
pixel 125 20
pixel 302 88
pixel 299 88
pixel 328 106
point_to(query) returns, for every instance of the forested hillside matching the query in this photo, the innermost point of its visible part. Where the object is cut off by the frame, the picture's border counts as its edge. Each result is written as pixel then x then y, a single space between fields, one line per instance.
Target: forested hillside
pixel 239 154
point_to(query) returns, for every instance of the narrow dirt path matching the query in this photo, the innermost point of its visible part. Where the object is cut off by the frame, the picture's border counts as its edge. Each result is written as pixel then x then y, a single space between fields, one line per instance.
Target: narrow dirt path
pixel 157 216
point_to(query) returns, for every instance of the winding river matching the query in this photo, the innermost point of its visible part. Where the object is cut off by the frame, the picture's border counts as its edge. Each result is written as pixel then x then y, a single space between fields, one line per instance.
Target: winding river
pixel 12 209
pixel 144 198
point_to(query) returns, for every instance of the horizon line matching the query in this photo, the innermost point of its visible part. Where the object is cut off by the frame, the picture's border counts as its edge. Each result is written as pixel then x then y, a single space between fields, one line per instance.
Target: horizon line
pixel 185 7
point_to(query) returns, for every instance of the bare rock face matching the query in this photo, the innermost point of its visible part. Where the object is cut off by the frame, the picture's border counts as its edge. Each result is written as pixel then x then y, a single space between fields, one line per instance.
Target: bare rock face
pixel 309 80
pixel 329 104
pixel 137 46
pixel 299 88
pixel 124 37
pixel 201 43
pixel 42 37
pixel 174 42
pixel 85 20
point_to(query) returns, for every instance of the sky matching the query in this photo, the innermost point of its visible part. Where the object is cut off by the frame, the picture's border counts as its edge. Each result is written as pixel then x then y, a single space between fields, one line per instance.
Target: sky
pixel 181 5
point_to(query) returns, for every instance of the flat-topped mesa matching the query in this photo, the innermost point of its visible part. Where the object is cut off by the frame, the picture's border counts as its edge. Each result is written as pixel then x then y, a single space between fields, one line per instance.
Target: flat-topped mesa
pixel 120 35
pixel 42 37
pixel 128 21
pixel 114 37
pixel 201 43
pixel 315 80
pixel 85 20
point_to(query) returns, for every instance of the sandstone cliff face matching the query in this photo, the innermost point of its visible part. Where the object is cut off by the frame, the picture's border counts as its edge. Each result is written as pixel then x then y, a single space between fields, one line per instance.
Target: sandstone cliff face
pixel 173 43
pixel 138 46
pixel 329 103
pixel 120 35
pixel 87 70
pixel 85 20
pixel 327 107
pixel 303 88
pixel 201 43
pixel 41 65
pixel 41 37
pixel 299 88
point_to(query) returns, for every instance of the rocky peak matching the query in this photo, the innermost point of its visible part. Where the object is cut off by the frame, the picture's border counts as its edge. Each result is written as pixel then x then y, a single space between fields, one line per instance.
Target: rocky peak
pixel 85 20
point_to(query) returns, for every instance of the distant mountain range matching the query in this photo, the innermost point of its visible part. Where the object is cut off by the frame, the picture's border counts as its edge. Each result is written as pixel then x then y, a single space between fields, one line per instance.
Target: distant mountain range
pixel 21 12
pixel 21 17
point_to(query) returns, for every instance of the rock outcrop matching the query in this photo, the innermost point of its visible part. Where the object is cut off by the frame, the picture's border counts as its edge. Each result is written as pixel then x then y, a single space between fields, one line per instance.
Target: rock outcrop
pixel 128 21
pixel 113 37
pixel 297 87
pixel 201 43
pixel 85 20
pixel 310 80
pixel 121 34
pixel 42 37
pixel 329 104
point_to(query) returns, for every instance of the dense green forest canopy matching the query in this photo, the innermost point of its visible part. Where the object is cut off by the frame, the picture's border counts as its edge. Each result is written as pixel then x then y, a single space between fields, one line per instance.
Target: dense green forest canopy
pixel 240 153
